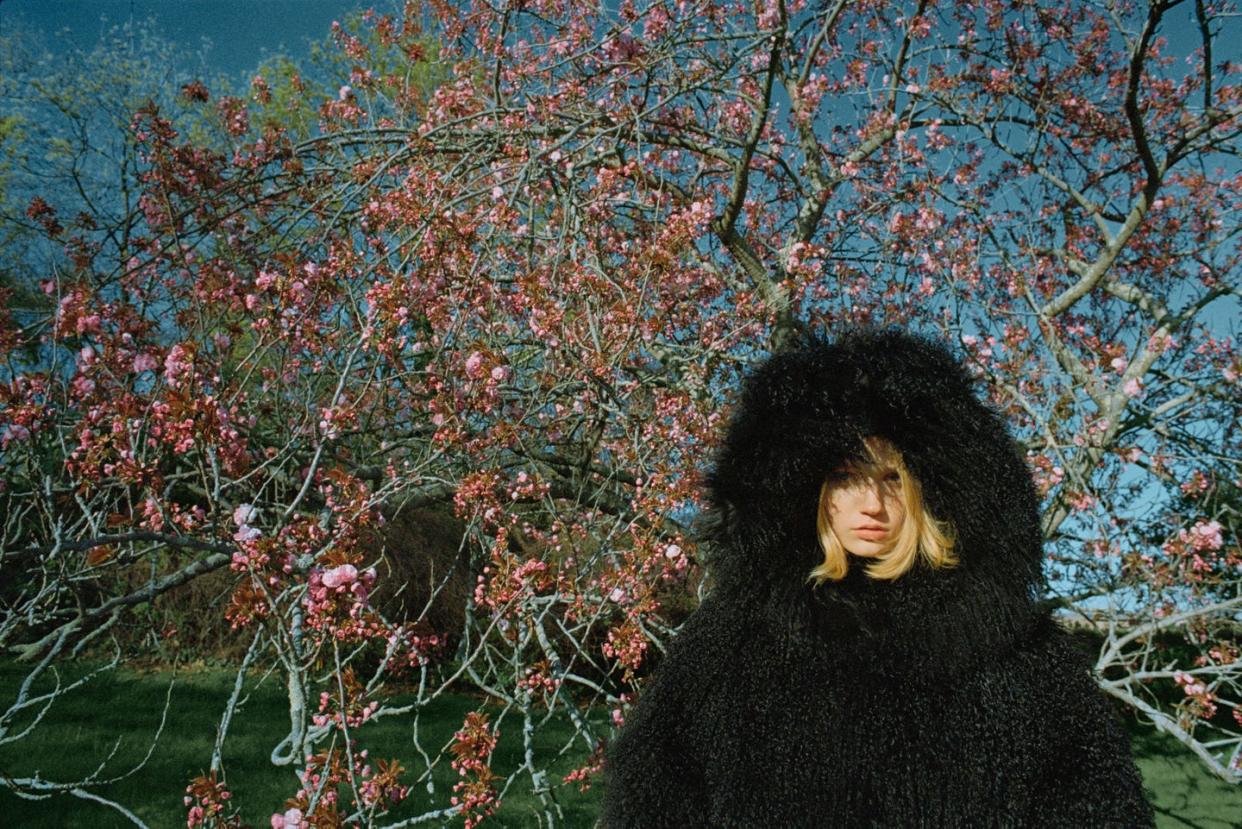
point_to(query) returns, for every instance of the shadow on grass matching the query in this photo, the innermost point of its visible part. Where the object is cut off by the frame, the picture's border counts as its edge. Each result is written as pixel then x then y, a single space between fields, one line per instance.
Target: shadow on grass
pixel 1181 789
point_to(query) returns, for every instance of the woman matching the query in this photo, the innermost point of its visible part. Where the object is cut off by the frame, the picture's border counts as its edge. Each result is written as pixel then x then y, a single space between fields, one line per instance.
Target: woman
pixel 872 653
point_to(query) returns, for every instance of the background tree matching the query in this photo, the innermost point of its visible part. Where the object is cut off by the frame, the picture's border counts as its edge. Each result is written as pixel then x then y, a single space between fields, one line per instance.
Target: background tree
pixel 530 292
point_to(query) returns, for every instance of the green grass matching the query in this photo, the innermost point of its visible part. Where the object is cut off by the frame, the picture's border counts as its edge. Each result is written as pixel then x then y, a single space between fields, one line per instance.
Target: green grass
pixel 126 706
pixel 1182 791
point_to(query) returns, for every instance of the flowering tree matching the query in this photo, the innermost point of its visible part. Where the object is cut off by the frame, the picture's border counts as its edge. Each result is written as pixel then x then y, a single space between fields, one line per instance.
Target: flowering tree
pixel 527 295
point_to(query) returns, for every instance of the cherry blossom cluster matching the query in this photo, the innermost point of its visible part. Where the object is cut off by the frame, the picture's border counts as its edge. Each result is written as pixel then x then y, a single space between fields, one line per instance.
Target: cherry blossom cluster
pixel 537 679
pixel 1199 552
pixel 207 803
pixel 327 779
pixel 1200 701
pixel 475 795
pixel 592 768
pixel 352 711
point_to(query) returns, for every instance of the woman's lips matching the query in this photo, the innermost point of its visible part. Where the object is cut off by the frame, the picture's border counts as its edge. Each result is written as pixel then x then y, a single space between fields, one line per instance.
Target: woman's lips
pixel 871 533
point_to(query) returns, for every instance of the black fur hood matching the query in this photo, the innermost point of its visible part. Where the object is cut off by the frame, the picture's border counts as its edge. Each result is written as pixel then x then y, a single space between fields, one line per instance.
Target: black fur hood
pixel 943 698
pixel 804 412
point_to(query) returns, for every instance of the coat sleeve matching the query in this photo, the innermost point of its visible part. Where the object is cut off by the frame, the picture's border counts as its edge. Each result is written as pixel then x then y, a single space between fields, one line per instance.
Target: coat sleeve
pixel 653 771
pixel 1088 777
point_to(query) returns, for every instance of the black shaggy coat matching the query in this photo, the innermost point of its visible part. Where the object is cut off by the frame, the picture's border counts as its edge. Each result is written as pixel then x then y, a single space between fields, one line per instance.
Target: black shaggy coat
pixel 943 698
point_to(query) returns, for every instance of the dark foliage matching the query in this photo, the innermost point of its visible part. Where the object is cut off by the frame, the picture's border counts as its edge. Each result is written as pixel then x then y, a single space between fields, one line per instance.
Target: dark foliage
pixel 425 573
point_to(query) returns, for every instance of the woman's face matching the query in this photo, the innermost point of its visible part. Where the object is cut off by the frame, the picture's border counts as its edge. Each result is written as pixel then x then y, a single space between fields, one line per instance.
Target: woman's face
pixel 866 506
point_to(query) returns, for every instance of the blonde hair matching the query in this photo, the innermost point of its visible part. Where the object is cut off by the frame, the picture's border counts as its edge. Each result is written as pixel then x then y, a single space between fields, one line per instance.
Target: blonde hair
pixel 921 534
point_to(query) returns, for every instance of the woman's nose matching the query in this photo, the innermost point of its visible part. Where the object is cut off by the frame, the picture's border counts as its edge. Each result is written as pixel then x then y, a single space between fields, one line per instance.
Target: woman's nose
pixel 872 501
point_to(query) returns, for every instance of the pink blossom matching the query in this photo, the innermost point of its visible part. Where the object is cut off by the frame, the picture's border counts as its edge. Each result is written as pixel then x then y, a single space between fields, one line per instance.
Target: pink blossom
pixel 242 516
pixel 1119 364
pixel 245 533
pixel 152 514
pixel 474 365
pixel 1000 82
pixel 770 15
pixel 82 386
pixel 1190 685
pixel 327 424
pixel 144 362
pixel 1082 501
pixel 1206 535
pixel 339 576
pixel 1132 387
pixel 292 819
pixel 177 364
pixel 245 514
pixel 672 551
pixel 927 220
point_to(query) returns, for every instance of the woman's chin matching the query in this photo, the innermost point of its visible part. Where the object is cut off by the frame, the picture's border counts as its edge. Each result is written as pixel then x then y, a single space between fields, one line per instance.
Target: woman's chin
pixel 868 549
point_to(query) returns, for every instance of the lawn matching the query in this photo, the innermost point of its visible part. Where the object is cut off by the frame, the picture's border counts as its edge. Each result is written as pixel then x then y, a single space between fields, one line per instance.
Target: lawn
pixel 81 730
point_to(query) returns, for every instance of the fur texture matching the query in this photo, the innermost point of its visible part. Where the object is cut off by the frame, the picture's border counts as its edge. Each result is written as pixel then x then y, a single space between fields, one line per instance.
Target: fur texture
pixel 942 699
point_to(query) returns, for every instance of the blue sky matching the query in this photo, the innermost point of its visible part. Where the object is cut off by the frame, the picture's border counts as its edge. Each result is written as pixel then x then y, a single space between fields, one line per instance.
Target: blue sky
pixel 241 32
